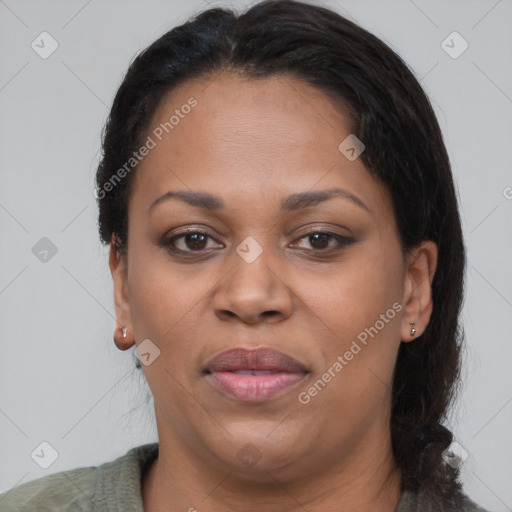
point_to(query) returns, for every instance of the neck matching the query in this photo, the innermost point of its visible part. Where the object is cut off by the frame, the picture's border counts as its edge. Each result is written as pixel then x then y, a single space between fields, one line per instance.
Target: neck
pixel 364 479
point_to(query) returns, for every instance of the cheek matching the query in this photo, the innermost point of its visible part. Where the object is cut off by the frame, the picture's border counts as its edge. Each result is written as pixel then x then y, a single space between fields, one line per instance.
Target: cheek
pixel 162 300
pixel 360 304
pixel 351 387
pixel 358 292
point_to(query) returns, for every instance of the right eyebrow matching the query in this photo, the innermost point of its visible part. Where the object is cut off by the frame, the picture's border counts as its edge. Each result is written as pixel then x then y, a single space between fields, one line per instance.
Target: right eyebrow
pixel 197 199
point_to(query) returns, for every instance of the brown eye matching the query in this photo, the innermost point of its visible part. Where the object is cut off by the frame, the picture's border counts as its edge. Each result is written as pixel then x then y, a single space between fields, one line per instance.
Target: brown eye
pixel 191 241
pixel 321 241
pixel 195 240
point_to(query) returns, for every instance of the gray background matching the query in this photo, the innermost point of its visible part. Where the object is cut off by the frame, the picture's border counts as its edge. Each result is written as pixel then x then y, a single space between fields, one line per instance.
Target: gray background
pixel 62 380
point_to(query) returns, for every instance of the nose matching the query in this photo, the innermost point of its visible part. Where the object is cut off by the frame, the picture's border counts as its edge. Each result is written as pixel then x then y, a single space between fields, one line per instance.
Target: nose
pixel 253 292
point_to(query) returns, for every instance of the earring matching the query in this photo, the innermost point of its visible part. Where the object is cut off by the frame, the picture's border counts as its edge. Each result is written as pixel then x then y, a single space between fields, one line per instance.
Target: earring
pixel 124 330
pixel 413 330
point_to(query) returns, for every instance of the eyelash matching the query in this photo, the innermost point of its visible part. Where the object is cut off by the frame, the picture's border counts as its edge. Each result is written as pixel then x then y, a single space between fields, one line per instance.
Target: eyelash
pixel 342 241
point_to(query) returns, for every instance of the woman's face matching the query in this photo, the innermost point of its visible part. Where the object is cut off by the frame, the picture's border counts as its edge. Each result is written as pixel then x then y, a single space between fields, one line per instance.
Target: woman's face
pixel 260 274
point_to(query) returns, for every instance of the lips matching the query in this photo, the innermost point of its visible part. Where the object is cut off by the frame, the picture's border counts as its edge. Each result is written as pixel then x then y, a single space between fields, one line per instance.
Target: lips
pixel 253 375
pixel 260 359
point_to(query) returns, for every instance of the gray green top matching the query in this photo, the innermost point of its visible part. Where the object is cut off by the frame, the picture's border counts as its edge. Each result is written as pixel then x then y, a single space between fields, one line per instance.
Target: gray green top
pixel 116 486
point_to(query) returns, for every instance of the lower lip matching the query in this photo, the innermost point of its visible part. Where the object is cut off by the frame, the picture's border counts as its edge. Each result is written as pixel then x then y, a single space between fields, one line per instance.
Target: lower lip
pixel 254 388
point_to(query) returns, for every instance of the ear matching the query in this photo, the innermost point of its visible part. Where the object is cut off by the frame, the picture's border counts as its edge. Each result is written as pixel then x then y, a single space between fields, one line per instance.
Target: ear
pixel 417 296
pixel 119 271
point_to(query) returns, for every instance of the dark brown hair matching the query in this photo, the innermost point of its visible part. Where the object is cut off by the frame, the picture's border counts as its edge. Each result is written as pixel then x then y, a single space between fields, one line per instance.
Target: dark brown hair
pixel 405 151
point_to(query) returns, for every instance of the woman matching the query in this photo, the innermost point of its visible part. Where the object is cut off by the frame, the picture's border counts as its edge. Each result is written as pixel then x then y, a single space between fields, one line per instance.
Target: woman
pixel 287 257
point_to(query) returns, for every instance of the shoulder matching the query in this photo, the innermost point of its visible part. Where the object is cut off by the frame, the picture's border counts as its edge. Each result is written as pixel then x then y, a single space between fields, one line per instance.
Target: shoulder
pixel 428 502
pixel 471 506
pixel 105 487
pixel 59 491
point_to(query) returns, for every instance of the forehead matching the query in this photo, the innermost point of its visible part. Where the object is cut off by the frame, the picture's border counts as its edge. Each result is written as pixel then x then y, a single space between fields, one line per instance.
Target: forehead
pixel 251 137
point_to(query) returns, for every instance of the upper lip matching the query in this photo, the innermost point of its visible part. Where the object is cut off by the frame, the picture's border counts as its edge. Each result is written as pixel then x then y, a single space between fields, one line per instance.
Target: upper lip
pixel 253 359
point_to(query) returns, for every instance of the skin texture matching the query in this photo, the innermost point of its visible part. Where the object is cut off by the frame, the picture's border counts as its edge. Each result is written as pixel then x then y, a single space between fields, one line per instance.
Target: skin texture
pixel 253 143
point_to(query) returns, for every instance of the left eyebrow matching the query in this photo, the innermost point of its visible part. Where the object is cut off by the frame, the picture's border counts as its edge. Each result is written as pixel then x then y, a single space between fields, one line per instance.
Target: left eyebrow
pixel 293 202
pixel 312 198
